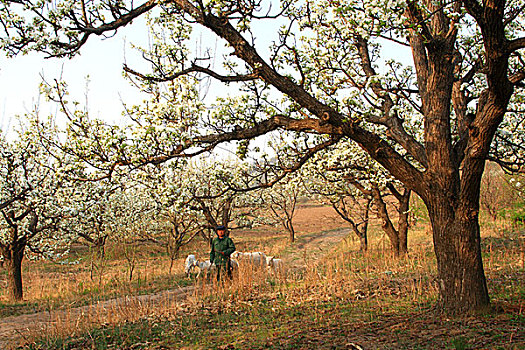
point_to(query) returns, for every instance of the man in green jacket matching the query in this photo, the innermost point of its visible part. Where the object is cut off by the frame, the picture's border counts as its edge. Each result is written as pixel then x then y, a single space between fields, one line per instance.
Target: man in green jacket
pixel 221 249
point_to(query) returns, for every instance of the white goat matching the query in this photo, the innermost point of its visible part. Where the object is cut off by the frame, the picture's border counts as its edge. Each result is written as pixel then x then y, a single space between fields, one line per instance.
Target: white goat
pixel 234 264
pixel 204 266
pixel 275 265
pixel 192 262
pixel 189 264
pixel 257 259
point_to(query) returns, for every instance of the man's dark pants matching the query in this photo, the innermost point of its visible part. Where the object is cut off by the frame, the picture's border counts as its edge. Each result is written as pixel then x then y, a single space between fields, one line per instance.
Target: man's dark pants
pixel 221 268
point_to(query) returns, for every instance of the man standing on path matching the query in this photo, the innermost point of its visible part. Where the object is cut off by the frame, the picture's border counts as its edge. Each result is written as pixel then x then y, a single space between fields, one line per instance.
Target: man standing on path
pixel 221 249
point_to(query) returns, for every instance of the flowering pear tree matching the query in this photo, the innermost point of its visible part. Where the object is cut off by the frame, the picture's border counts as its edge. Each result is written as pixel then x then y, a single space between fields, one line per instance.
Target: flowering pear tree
pixel 347 178
pixel 213 185
pixel 34 192
pixel 350 204
pixel 191 199
pixel 172 224
pixel 331 72
pixel 356 211
pixel 398 236
pixel 93 215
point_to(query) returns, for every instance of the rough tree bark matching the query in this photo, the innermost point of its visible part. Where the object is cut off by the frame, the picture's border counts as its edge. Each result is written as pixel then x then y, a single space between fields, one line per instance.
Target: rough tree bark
pixel 462 283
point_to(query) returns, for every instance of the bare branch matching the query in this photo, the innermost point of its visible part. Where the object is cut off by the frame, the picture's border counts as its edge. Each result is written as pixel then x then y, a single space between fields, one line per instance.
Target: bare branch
pixel 193 69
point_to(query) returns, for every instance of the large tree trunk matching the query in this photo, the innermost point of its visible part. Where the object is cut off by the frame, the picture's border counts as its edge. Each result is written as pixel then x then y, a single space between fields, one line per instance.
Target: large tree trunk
pixel 461 278
pixel 14 254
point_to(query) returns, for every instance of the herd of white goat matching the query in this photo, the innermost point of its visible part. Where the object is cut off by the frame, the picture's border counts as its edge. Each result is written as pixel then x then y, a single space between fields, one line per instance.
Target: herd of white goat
pixel 256 260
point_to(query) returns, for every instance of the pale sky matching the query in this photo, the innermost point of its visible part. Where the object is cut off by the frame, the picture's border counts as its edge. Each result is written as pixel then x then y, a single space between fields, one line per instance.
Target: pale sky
pixel 100 59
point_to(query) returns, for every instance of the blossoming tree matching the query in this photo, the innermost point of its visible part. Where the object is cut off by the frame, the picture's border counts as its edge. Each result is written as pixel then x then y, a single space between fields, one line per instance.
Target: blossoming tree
pixel 280 202
pixel 350 180
pixel 33 202
pixel 93 215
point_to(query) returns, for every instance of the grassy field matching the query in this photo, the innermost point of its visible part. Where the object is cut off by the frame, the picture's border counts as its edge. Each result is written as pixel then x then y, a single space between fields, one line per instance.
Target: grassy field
pixel 88 279
pixel 338 299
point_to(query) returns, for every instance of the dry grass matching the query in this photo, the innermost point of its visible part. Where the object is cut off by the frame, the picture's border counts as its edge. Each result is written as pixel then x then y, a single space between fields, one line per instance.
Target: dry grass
pixel 49 286
pixel 75 321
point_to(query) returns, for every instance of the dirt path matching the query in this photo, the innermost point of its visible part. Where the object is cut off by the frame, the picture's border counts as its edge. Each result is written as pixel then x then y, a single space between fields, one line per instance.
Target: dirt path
pixel 312 248
pixel 319 230
pixel 14 329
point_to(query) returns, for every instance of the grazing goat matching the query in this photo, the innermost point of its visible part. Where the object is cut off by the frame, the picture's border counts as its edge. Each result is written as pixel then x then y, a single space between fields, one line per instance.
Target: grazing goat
pixel 257 259
pixel 192 262
pixel 189 264
pixel 275 265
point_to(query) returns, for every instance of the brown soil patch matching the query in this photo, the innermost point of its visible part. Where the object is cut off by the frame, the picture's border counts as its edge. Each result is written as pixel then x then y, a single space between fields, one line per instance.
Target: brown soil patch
pixel 317 219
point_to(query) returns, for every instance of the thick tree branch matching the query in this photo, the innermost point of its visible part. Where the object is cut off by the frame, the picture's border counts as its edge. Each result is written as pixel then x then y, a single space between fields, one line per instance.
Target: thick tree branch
pixel 414 14
pixel 121 21
pixel 394 191
pixel 273 123
pixel 515 44
pixel 389 119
